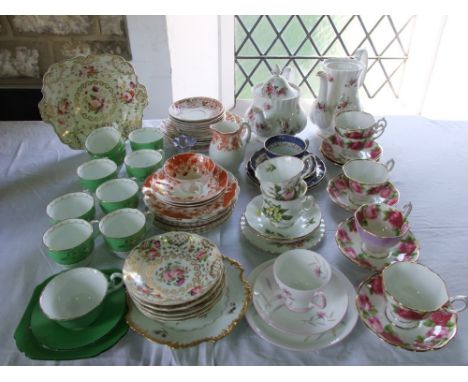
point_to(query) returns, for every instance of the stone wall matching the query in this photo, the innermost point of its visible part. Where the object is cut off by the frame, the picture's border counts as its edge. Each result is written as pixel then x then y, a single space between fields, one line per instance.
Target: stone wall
pixel 30 44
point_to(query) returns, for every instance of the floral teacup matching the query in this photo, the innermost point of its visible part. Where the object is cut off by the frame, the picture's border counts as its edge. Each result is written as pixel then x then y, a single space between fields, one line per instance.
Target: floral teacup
pixel 301 275
pixel 381 227
pixel 414 292
pixel 366 177
pixel 283 214
pixel 359 125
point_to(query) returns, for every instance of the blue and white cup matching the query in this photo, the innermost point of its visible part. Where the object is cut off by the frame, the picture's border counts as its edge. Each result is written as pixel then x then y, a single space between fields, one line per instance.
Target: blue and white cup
pixel 280 145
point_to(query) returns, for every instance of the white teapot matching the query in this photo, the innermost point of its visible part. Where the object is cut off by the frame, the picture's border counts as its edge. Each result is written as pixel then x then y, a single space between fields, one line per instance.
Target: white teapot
pixel 276 109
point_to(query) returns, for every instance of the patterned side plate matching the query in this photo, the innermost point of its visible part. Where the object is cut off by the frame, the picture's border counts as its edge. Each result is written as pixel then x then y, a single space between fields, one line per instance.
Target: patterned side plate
pixel 334 150
pixel 87 92
pixel 212 326
pixel 349 243
pixel 196 109
pixel 431 334
pixel 172 268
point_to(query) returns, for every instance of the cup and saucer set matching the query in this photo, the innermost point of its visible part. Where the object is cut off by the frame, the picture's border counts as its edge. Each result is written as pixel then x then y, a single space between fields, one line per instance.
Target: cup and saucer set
pixel 354 138
pixel 283 217
pixel 280 145
pixel 300 302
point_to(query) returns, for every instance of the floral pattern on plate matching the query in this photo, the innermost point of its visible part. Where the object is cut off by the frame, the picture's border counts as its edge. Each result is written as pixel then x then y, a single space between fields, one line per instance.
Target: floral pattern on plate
pixel 172 268
pixel 277 247
pixel 87 92
pixel 270 305
pixel 301 342
pixel 196 109
pixel 336 153
pixel 350 244
pixel 215 324
pixel 339 190
pixel 431 334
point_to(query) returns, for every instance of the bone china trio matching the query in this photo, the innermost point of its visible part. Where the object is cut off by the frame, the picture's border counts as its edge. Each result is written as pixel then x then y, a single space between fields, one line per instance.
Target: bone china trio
pixel 181 290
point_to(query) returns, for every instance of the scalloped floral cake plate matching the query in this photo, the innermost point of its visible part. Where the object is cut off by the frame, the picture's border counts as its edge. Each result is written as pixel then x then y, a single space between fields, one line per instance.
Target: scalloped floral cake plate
pixel 339 191
pixel 277 247
pixel 431 334
pixel 303 227
pixel 88 92
pixel 219 322
pixel 350 245
pixel 300 342
pixel 269 304
pixel 335 153
pixel 172 268
pixel 196 109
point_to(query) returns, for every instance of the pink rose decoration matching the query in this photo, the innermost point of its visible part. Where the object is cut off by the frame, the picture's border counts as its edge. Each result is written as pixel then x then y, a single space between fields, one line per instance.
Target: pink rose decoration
pixel 327 147
pixel 364 302
pixel 343 235
pixel 288 195
pixel 393 201
pixel 355 135
pixel 360 216
pixel 356 145
pixel 201 255
pixel 350 251
pixel 377 285
pixel 356 187
pixel 375 323
pixel 371 212
pixel 438 333
pixel 407 248
pixel 196 290
pixel 385 191
pixel 368 144
pixel 395 218
pixel 375 153
pixel 441 317
pixel 408 314
pixel 341 184
pixel 392 338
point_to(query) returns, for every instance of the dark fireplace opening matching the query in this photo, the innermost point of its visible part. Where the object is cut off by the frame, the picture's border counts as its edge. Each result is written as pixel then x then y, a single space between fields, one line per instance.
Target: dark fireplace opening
pixel 20 104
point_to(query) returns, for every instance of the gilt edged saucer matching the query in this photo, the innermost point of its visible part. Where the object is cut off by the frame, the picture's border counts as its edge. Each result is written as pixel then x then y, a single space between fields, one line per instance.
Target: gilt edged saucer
pixel 337 154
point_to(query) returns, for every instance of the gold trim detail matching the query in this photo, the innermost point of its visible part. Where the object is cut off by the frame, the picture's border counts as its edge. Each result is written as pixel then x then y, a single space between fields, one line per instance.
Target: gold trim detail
pixel 224 333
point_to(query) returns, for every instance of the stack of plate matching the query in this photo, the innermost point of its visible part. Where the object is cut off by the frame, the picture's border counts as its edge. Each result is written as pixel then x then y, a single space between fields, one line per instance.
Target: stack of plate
pixel 175 276
pixel 193 117
pixel 190 193
pixel 306 232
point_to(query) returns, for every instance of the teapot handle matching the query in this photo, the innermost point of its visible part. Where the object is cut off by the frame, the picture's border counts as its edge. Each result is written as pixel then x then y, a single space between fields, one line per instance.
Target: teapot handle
pixel 246 132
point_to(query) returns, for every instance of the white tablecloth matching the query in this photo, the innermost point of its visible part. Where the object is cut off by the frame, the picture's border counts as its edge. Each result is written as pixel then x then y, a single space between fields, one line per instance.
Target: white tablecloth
pixel 431 171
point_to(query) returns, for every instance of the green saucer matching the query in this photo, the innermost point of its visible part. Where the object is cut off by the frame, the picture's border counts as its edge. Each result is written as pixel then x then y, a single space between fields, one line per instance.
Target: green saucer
pixel 32 348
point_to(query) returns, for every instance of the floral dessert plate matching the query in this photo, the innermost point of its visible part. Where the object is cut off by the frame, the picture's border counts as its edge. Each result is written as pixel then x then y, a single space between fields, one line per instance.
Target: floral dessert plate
pixel 172 268
pixel 87 92
pixel 303 226
pixel 32 348
pixel 196 109
pixel 260 156
pixel 269 304
pixel 350 244
pixel 49 333
pixel 431 334
pixel 335 152
pixel 339 191
pixel 217 323
pixel 300 342
pixel 278 247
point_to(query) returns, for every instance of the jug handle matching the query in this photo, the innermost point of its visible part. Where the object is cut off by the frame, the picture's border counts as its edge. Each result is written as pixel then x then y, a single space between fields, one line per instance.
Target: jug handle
pixel 287 72
pixel 246 132
pixel 361 55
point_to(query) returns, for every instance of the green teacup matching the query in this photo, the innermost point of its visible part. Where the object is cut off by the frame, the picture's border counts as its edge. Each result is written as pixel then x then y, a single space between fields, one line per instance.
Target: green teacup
pixel 123 229
pixel 95 172
pixel 75 205
pixel 146 138
pixel 70 242
pixel 106 142
pixel 118 193
pixel 74 299
pixel 144 162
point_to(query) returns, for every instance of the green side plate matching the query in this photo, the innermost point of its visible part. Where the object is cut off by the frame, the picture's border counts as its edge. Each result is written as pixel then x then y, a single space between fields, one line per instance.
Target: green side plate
pixel 32 348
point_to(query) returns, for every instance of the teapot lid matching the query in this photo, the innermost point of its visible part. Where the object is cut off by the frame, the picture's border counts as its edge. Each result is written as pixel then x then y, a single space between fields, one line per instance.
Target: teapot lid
pixel 277 86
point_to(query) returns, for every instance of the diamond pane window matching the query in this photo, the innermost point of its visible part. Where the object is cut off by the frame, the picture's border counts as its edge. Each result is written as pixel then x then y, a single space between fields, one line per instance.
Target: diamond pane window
pixel 302 42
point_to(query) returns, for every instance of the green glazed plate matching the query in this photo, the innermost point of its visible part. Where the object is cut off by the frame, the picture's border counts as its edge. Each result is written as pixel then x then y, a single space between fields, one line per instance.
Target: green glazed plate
pixel 32 348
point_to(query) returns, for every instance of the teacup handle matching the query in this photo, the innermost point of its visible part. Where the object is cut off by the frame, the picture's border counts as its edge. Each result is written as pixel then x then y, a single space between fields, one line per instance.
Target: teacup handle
pixel 310 165
pixel 96 230
pixel 246 132
pixel 407 208
pixel 115 282
pixel 322 300
pixel 390 164
pixel 379 128
pixel 309 202
pixel 463 299
pixel 149 215
pixel 306 141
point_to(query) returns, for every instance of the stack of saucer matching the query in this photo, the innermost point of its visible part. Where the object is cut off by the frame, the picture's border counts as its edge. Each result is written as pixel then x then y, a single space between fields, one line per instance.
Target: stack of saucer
pixel 354 138
pixel 193 117
pixel 283 217
pixel 175 276
pixel 190 193
pixel 300 302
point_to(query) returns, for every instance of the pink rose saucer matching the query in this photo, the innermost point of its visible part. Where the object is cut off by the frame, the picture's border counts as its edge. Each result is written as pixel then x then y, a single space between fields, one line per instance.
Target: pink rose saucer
pixel 350 244
pixel 335 151
pixel 431 334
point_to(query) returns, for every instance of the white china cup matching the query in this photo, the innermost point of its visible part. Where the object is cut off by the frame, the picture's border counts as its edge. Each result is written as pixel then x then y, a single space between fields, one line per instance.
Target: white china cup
pixel 117 193
pixel 301 275
pixel 284 213
pixel 364 176
pixel 414 292
pixel 359 125
pixel 79 205
pixel 74 298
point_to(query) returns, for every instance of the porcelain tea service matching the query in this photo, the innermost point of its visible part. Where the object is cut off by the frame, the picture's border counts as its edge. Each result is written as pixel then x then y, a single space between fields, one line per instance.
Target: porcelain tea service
pixel 276 108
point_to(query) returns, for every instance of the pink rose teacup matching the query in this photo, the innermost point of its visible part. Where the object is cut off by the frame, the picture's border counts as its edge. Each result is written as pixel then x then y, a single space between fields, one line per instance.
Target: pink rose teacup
pixel 381 227
pixel 414 292
pixel 359 125
pixel 366 177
